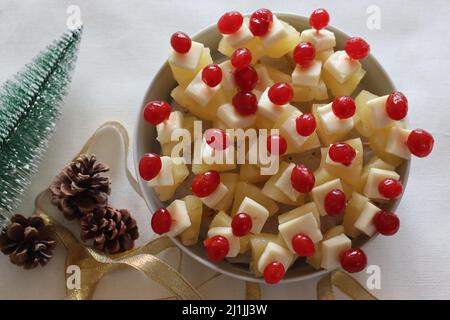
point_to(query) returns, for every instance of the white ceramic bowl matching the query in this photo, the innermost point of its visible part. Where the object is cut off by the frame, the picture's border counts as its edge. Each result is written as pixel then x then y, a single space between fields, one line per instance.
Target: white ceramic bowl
pixel 375 81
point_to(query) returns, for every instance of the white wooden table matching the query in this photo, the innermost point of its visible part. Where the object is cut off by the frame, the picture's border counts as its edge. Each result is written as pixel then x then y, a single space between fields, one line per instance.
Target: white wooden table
pixel 123 45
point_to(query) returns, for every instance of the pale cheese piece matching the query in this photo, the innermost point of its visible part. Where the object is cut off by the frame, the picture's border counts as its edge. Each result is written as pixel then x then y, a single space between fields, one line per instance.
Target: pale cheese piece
pixel 379 117
pixel 165 129
pixel 305 225
pixel 324 55
pixel 188 60
pixel 284 183
pixel 180 217
pixel 289 130
pixel 257 212
pixel 396 142
pixel 215 197
pixel 268 109
pixel 264 79
pixel 320 192
pixel 274 253
pixel 341 66
pixel 276 33
pixel 239 38
pixel 321 39
pixel 228 83
pixel 333 124
pixel 233 241
pixel 374 178
pixel 332 249
pixel 307 76
pixel 165 176
pixel 364 222
pixel 232 119
pixel 200 92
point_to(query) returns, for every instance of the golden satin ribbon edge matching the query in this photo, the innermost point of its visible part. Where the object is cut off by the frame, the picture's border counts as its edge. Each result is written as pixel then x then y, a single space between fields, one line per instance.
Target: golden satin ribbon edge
pixel 94 265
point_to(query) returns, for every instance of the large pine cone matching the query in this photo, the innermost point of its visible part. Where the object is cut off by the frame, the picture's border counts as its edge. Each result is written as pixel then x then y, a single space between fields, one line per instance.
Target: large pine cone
pixel 28 242
pixel 81 187
pixel 113 230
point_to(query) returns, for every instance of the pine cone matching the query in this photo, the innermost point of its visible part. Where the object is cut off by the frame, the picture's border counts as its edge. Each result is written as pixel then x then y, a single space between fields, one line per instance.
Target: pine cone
pixel 28 242
pixel 113 230
pixel 81 187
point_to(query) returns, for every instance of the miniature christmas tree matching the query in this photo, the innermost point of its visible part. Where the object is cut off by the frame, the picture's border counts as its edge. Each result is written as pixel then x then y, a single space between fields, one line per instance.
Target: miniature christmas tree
pixel 29 108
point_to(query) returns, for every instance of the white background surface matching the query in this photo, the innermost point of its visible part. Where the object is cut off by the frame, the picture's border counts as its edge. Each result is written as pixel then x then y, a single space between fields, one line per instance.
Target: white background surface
pixel 125 42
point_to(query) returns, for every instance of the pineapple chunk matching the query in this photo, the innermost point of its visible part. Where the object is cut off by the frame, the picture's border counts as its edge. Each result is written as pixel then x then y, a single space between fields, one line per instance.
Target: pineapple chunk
pixel 188 124
pixel 195 209
pixel 285 44
pixel 342 89
pixel 244 189
pixel 229 180
pixel 322 127
pixel 375 162
pixel 276 194
pixel 184 76
pixel 277 75
pixel 378 141
pixel 352 213
pixel 300 211
pixel 251 173
pixel 258 243
pixel 180 172
pixel 222 219
pixel 362 116
pixel 352 173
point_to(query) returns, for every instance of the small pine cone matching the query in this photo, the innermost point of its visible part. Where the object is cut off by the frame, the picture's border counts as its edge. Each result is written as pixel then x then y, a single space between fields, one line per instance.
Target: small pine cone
pixel 81 187
pixel 28 241
pixel 113 230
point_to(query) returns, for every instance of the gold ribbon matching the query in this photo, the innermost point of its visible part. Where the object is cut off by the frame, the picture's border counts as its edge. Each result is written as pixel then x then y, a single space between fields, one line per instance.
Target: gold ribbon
pixel 94 265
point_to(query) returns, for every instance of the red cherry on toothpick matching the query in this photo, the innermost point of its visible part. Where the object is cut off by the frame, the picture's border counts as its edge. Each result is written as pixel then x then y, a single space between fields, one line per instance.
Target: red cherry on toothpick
pixel 386 223
pixel 161 221
pixel 305 124
pixel 334 202
pixel 353 260
pixel 319 19
pixel 304 54
pixel 390 188
pixel 420 143
pixel 180 42
pixel 357 48
pixel 212 75
pixel 246 78
pixel 274 272
pixel 156 112
pixel 342 152
pixel 149 166
pixel 217 139
pixel 302 179
pixel 274 141
pixel 241 224
pixel 205 183
pixel 230 22
pixel 280 93
pixel 245 103
pixel 217 247
pixel 343 107
pixel 303 245
pixel 260 22
pixel 397 106
pixel 241 58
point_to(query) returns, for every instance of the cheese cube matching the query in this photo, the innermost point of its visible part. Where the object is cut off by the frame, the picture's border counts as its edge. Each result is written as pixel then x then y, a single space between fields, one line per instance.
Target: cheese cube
pixel 213 156
pixel 276 32
pixel 289 130
pixel 257 212
pixel 364 222
pixel 274 252
pixel 232 119
pixel 307 76
pixel 166 128
pixel 188 60
pixel 396 142
pixel 239 38
pixel 321 39
pixel 228 83
pixel 379 117
pixel 233 241
pixel 331 123
pixel 268 109
pixel 284 184
pixel 215 197
pixel 180 217
pixel 264 79
pixel 200 92
pixel 341 66
pixel 319 193
pixel 374 178
pixel 306 225
pixel 332 249
pixel 165 176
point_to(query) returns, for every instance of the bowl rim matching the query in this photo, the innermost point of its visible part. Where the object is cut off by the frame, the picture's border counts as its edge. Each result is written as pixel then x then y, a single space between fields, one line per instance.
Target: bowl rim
pixel 217 267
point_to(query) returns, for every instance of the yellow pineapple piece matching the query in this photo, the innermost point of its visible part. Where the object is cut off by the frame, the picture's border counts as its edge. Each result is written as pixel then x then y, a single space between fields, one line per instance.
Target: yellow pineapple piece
pixel 362 116
pixel 229 180
pixel 195 209
pixel 286 44
pixel 184 76
pixel 277 75
pixel 180 173
pixel 276 194
pixel 324 136
pixel 207 112
pixel 378 142
pixel 222 219
pixel 322 176
pixel 188 124
pixel 300 211
pixel 342 89
pixel 303 94
pixel 222 167
pixel 258 243
pixel 244 189
pixel 251 173
pixel 352 212
pixel 375 162
pixel 352 173
pixel 316 259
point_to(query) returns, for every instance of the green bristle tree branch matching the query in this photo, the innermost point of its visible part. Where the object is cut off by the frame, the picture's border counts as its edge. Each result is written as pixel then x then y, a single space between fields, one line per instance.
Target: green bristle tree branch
pixel 30 105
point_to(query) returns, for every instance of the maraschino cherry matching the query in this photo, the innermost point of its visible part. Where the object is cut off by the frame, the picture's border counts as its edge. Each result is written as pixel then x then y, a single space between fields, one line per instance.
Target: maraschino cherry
pixel 217 139
pixel 390 188
pixel 275 140
pixel 397 106
pixel 280 93
pixel 205 183
pixel 260 22
pixel 302 179
pixel 241 58
pixel 212 75
pixel 334 202
pixel 387 223
pixel 319 19
pixel 161 221
pixel 343 107
pixel 241 224
pixel 246 78
pixel 180 42
pixel 304 54
pixel 274 272
pixel 303 245
pixel 217 247
pixel 357 48
pixel 230 22
pixel 305 124
pixel 353 260
pixel 342 152
pixel 149 166
pixel 156 112
pixel 420 143
pixel 245 103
